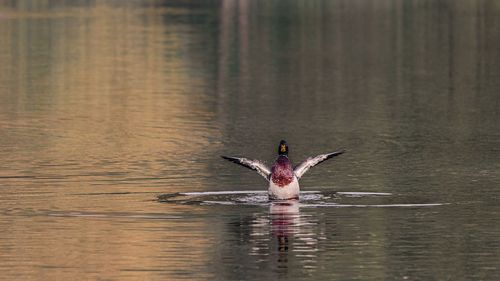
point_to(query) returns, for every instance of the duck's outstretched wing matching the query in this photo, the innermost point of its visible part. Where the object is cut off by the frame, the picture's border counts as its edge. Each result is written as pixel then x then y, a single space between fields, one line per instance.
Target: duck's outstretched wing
pixel 255 165
pixel 303 167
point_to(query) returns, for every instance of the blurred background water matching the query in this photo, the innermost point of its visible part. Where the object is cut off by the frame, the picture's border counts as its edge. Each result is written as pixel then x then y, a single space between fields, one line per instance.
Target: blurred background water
pixel 104 105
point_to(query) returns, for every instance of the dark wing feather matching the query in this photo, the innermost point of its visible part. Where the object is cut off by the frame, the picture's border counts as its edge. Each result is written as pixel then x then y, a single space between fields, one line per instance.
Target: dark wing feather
pixel 313 161
pixel 255 165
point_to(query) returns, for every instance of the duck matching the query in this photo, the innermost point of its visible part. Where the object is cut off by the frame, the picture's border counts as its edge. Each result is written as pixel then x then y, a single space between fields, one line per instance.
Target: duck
pixel 283 178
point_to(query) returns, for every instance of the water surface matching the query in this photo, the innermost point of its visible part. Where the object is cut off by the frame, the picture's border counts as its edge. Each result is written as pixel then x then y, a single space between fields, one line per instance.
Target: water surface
pixel 105 107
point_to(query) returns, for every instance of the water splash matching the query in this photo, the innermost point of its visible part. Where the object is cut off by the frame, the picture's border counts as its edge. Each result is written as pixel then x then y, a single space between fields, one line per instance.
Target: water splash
pixel 308 199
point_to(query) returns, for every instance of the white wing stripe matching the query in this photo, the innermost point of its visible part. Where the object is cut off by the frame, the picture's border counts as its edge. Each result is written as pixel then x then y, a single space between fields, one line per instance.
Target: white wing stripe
pixel 255 165
pixel 305 165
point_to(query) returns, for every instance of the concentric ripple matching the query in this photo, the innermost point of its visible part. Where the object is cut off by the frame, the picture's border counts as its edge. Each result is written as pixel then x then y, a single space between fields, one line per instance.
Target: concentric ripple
pixel 312 199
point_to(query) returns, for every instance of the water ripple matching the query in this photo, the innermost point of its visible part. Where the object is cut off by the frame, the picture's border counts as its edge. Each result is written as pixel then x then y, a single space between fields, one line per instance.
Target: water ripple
pixel 308 199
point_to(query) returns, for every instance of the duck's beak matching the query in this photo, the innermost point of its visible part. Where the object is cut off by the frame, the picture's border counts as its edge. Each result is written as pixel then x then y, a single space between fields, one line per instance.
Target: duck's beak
pixel 283 148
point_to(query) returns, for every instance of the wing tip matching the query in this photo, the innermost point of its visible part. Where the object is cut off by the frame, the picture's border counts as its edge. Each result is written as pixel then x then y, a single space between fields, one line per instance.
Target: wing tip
pixel 232 159
pixel 335 153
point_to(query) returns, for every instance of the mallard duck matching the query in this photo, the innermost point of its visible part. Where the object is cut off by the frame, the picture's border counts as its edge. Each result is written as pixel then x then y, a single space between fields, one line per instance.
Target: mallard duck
pixel 283 178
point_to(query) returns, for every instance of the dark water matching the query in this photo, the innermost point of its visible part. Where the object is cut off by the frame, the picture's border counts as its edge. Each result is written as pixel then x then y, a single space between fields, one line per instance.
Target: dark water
pixel 107 106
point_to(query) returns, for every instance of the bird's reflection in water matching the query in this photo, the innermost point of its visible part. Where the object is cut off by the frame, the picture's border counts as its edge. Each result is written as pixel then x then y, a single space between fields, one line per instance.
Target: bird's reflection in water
pixel 284 216
pixel 286 234
pixel 286 238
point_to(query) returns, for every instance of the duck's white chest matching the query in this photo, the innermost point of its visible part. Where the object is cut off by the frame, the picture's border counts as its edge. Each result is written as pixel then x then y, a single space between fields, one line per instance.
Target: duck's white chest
pixel 290 191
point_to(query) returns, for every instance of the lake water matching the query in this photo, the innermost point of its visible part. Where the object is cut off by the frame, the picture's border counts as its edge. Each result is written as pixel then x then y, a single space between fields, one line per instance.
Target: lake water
pixel 113 116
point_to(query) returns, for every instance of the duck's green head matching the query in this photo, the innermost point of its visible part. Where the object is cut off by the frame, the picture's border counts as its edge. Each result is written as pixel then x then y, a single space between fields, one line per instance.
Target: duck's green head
pixel 283 148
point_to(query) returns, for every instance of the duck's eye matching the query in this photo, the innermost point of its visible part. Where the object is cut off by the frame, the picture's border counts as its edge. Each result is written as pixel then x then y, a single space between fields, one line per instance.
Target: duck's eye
pixel 283 148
